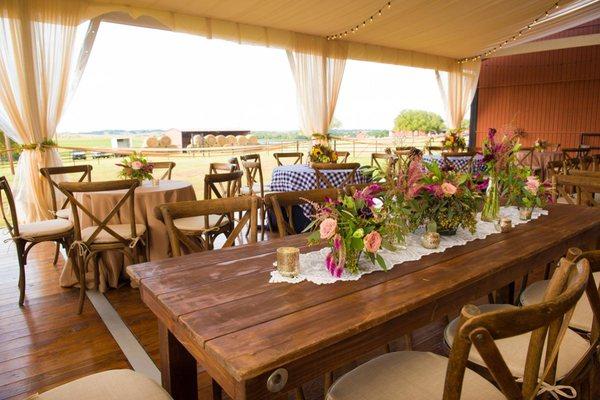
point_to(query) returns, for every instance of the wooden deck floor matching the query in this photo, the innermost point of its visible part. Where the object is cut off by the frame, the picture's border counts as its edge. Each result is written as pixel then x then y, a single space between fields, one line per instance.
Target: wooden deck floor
pixel 45 343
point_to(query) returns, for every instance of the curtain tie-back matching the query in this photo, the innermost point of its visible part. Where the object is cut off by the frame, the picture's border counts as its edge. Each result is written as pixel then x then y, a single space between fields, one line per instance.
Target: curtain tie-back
pixel 46 144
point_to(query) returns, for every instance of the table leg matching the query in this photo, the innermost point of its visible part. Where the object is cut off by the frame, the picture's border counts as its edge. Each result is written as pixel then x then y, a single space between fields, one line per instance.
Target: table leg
pixel 178 368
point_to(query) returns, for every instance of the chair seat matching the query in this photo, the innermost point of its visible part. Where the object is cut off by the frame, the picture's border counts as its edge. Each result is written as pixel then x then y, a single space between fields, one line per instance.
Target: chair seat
pixel 256 189
pixel 514 349
pixel 582 316
pixel 64 213
pixel 45 228
pixel 198 223
pixel 108 385
pixel 407 375
pixel 124 230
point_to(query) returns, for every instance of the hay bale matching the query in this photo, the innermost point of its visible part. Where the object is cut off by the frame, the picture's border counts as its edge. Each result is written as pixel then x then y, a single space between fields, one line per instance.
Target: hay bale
pixel 210 140
pixel 252 140
pixel 242 140
pixel 221 140
pixel 164 141
pixel 231 140
pixel 197 141
pixel 151 141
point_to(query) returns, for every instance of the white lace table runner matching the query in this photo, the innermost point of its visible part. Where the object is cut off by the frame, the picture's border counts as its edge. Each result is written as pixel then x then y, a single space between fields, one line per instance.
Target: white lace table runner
pixel 312 265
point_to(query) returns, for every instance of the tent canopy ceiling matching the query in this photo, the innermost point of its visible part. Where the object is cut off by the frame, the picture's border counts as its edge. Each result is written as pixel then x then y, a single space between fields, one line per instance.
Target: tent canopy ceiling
pixel 447 28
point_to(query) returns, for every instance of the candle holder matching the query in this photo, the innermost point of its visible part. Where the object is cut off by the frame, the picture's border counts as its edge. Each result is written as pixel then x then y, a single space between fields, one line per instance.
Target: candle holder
pixel 430 240
pixel 155 182
pixel 288 261
pixel 503 225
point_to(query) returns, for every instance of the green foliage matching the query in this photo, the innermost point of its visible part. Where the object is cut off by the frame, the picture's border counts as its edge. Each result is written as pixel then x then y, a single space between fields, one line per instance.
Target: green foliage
pixel 419 121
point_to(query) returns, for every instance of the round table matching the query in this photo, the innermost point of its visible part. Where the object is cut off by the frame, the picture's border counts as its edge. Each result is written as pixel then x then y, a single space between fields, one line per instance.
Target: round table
pixel 146 198
pixel 461 162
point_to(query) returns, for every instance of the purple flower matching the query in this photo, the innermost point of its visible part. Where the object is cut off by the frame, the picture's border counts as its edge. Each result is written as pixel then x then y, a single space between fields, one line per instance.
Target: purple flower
pixel 330 263
pixel 435 190
pixel 337 242
pixel 365 213
pixel 483 185
pixel 491 134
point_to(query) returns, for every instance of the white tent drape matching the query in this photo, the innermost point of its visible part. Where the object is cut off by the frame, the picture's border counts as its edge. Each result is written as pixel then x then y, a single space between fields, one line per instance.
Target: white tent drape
pixel 39 69
pixel 459 90
pixel 318 67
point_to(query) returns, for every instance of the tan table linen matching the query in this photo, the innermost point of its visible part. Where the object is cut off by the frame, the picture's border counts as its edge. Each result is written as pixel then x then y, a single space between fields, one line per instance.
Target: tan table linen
pixel 146 198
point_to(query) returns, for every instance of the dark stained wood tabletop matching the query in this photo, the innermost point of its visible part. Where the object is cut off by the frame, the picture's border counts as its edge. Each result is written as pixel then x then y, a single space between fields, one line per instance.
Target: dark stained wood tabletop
pixel 222 308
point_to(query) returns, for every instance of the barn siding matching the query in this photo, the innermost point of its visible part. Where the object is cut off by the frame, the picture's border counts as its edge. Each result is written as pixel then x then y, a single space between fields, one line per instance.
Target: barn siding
pixel 553 95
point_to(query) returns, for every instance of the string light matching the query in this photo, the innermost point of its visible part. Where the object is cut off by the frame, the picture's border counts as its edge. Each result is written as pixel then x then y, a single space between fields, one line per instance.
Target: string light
pixel 513 38
pixel 363 23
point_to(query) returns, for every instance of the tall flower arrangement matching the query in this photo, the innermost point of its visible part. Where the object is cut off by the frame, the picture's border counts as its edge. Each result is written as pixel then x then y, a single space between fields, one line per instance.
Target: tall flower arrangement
pixel 498 158
pixel 365 223
pixel 454 140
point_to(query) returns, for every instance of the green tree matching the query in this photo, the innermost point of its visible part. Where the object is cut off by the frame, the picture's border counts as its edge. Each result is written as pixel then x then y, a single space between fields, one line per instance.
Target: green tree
pixel 464 125
pixel 418 120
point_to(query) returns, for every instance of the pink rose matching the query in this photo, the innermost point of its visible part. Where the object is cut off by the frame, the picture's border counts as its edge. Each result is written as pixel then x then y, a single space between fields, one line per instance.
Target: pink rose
pixel 372 242
pixel 533 184
pixel 327 228
pixel 448 189
pixel 136 165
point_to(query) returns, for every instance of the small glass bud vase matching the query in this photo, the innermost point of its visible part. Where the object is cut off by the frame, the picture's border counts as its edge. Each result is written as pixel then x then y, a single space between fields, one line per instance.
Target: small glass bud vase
pixel 431 239
pixel 155 182
pixel 288 261
pixel 491 202
pixel 525 213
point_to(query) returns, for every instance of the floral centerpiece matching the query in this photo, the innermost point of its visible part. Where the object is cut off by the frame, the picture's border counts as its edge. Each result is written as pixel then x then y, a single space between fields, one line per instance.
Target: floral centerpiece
pixel 136 167
pixel 498 157
pixel 540 144
pixel 322 153
pixel 527 192
pixel 454 141
pixel 365 223
pixel 444 196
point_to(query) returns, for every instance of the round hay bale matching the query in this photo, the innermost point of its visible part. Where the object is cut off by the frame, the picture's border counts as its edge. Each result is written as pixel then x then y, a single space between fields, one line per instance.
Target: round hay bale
pixel 231 141
pixel 151 141
pixel 221 140
pixel 242 140
pixel 197 141
pixel 164 141
pixel 252 140
pixel 210 140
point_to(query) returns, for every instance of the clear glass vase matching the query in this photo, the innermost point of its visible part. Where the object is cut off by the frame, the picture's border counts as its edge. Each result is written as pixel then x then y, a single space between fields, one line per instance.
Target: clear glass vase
pixel 352 260
pixel 491 203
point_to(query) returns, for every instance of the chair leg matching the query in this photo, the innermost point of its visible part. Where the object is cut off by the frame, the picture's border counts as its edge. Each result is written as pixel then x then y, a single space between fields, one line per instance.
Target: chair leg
pixel 327 382
pixel 262 223
pixel 22 261
pixel 408 342
pixel 299 393
pixel 56 252
pixel 81 267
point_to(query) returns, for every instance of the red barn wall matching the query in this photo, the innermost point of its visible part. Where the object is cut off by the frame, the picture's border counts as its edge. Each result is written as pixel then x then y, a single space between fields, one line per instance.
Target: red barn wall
pixel 554 95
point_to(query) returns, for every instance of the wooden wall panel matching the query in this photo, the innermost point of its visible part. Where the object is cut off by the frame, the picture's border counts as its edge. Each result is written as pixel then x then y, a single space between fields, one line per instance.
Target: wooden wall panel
pixel 553 95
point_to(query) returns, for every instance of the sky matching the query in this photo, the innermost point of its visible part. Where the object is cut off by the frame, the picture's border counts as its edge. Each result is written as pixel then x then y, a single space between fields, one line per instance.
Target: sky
pixel 140 78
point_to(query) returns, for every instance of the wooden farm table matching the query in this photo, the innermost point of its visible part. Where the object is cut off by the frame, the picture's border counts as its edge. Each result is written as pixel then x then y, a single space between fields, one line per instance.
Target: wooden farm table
pixel 218 308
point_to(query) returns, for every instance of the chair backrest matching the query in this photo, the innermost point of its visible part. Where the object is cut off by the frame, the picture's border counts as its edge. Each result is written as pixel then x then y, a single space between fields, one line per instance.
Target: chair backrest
pixel 254 176
pixel 167 165
pixel 220 167
pixel 11 220
pixel 296 158
pixel 222 185
pixel 323 181
pixel 524 157
pixel 85 174
pixel 281 204
pixel 226 207
pixel 547 322
pixel 384 162
pixel 577 157
pixel 431 149
pixel 234 161
pixel 342 156
pixel 250 157
pixel 593 293
pixel 100 224
pixel 455 160
pixel 585 189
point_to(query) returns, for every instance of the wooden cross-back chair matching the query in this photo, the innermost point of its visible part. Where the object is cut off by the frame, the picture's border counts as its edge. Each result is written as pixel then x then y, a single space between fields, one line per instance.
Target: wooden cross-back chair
pixel 84 173
pixel 103 234
pixel 224 168
pixel 524 157
pixel 296 158
pixel 385 163
pixel 172 212
pixel 478 333
pixel 342 156
pixel 281 205
pixel 431 149
pixel 585 188
pixel 322 181
pixel 167 166
pixel 255 186
pixel 403 157
pixel 576 157
pixel 451 160
pixel 25 236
